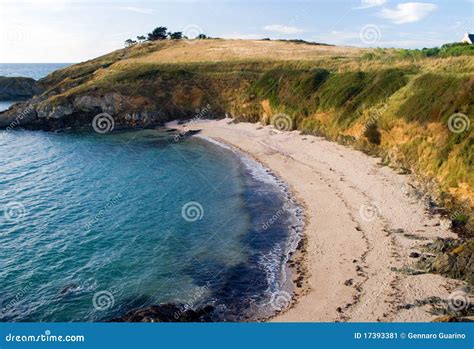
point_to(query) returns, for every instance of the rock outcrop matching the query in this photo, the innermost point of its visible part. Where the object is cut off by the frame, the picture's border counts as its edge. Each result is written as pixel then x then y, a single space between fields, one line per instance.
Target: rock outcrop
pixel 79 111
pixel 167 313
pixel 457 263
pixel 18 88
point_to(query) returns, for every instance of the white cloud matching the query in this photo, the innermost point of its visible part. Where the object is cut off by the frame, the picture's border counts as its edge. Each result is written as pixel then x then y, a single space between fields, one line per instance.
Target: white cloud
pixel 136 9
pixel 283 29
pixel 371 3
pixel 408 12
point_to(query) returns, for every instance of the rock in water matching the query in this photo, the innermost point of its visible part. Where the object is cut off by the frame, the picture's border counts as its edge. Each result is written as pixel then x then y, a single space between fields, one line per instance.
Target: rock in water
pixel 169 312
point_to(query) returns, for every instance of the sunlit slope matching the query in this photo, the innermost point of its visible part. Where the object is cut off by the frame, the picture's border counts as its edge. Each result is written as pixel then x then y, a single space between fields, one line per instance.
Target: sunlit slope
pixel 418 112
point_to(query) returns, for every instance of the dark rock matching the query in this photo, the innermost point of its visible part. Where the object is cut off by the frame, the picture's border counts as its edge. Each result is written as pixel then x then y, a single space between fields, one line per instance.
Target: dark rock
pixel 18 88
pixel 169 312
pixel 414 255
pixel 69 289
pixel 456 263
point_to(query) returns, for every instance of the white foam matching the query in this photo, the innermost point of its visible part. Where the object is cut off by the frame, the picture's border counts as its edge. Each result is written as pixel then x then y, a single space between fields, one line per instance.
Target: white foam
pixel 270 261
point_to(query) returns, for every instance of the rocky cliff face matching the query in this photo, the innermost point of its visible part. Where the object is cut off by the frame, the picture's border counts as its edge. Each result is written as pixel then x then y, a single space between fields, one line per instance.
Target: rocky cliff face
pixel 40 113
pixel 18 88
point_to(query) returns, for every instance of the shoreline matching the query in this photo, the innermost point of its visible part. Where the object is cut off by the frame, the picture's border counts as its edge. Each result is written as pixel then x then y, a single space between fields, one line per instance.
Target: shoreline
pixel 356 247
pixel 292 267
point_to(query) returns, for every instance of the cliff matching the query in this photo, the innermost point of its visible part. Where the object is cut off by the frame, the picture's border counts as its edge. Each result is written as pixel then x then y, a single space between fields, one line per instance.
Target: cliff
pixel 416 112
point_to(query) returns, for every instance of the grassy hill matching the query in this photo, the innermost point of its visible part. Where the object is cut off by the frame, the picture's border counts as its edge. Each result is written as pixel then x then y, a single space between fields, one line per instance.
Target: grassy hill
pixel 415 108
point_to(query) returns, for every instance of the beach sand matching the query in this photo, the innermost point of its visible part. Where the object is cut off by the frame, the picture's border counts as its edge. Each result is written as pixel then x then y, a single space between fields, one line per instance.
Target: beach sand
pixel 362 222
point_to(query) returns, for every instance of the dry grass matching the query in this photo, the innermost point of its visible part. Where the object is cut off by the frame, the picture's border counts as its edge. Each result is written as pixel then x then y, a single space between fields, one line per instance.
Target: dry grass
pixel 326 90
pixel 240 50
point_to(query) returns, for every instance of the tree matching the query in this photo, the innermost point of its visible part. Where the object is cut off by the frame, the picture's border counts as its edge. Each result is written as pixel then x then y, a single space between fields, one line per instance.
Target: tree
pixel 158 33
pixel 141 38
pixel 130 43
pixel 176 35
pixel 201 36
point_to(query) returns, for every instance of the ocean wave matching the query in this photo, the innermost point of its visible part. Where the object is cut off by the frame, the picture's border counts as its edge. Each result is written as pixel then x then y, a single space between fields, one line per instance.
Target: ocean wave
pixel 274 262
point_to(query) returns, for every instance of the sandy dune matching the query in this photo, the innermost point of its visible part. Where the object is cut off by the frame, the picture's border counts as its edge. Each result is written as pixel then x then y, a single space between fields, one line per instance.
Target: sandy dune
pixel 363 221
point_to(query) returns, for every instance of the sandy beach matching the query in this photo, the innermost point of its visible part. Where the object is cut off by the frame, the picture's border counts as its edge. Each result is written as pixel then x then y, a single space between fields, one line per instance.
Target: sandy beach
pixel 363 221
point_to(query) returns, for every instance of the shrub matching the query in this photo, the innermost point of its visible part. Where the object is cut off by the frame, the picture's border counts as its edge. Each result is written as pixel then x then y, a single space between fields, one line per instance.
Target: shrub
pixel 373 134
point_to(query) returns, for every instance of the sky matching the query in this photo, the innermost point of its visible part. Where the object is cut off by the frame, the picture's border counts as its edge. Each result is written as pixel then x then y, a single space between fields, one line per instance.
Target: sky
pixel 41 31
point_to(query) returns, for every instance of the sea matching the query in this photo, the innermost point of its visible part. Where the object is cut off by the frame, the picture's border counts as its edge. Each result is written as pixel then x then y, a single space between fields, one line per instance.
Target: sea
pixel 96 225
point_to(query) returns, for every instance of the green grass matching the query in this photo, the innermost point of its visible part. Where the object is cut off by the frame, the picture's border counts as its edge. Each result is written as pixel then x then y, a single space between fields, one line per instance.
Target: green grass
pixel 379 92
pixel 435 97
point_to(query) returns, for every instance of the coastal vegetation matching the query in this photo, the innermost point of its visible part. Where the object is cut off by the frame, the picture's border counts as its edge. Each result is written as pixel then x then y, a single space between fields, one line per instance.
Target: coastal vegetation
pixel 161 33
pixel 414 108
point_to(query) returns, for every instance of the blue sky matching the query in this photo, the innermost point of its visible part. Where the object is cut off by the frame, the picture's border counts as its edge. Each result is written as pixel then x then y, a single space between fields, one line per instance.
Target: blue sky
pixel 75 30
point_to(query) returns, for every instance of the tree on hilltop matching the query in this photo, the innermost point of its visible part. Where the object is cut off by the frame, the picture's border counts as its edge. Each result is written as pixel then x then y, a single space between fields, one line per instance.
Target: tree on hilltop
pixel 159 33
pixel 141 38
pixel 130 43
pixel 176 35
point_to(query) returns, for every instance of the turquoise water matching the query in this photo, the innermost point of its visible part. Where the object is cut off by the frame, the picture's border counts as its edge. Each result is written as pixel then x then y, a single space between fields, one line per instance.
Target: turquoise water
pixel 96 225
